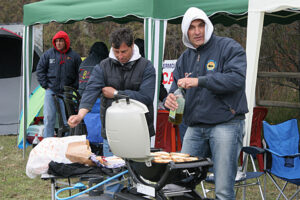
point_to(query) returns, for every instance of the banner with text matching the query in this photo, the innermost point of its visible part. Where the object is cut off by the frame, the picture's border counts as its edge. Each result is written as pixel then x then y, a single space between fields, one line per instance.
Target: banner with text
pixel 167 70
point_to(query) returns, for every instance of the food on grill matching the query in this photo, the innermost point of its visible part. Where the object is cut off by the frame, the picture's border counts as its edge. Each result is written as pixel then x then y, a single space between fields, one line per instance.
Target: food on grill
pixel 160 160
pixel 179 154
pixel 178 159
pixel 165 157
pixel 160 153
pixel 189 159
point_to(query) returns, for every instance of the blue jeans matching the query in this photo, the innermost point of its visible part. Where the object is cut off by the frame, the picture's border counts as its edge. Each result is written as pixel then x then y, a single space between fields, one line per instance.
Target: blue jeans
pixel 50 113
pixel 223 143
pixel 182 130
pixel 106 152
pixel 106 149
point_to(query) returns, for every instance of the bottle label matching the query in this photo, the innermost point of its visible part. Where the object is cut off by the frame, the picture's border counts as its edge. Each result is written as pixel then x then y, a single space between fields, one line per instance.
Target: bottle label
pixel 172 114
pixel 181 102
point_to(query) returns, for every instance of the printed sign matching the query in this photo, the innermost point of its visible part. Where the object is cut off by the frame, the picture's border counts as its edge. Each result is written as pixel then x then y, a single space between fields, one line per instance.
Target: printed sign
pixel 168 67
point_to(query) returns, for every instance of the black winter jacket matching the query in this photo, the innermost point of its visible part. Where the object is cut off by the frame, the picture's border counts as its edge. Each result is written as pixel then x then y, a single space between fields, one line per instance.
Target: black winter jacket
pixel 51 74
pixel 138 84
pixel 98 52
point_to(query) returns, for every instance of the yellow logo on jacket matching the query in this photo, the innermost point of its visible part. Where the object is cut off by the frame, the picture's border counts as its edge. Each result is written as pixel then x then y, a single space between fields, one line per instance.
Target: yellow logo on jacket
pixel 211 65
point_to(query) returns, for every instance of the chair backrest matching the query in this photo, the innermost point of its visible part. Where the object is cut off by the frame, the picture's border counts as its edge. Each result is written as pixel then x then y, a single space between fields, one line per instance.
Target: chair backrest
pixel 72 90
pixel 71 107
pixel 259 114
pixel 283 139
pixel 62 127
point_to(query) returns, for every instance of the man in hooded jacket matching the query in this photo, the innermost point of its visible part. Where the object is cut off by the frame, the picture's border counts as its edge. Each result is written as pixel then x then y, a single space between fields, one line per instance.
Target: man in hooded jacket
pixel 123 72
pixel 212 70
pixel 58 67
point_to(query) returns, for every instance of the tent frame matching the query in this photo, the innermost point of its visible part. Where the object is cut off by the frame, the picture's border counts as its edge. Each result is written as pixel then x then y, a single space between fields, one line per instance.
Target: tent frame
pixel 155 33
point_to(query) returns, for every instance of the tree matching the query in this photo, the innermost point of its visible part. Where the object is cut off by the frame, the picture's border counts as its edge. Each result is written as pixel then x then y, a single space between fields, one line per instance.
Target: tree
pixel 280 50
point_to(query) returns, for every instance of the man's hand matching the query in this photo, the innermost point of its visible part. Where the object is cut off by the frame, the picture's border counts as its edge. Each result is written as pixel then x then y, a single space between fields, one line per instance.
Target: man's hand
pixel 171 102
pixel 74 120
pixel 108 92
pixel 187 83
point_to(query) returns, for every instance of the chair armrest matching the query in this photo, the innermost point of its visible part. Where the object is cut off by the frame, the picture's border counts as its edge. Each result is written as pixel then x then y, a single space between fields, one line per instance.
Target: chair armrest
pixel 284 156
pixel 253 150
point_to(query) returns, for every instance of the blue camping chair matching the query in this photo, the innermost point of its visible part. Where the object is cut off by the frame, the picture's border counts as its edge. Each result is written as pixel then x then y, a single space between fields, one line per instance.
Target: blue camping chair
pixel 283 144
pixel 93 125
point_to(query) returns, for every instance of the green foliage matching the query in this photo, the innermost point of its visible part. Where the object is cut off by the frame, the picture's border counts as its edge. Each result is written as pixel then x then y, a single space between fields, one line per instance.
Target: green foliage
pixel 278 115
pixel 83 34
pixel 12 10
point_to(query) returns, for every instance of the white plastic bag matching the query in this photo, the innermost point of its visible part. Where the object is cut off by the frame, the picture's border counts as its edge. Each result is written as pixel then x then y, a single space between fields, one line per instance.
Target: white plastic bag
pixel 49 149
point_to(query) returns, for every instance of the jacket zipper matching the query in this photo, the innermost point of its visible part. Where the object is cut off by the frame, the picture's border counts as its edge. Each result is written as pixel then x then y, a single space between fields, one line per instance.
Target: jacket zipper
pixel 122 80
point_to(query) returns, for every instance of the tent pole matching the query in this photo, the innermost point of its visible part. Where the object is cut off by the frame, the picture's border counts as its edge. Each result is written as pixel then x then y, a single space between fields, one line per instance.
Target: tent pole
pixel 24 103
pixel 27 63
pixel 155 34
pixel 254 32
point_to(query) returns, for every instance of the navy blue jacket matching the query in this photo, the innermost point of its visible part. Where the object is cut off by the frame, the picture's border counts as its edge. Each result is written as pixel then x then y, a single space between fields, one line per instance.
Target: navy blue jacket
pixel 220 65
pixel 55 75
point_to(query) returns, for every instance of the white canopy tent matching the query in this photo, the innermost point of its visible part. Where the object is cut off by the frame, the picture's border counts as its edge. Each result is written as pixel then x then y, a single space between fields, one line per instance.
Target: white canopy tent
pixel 256 13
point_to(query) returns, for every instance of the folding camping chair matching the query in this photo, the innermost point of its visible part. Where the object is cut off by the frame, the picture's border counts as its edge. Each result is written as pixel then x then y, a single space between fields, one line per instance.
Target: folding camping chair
pixel 72 101
pixel 243 178
pixel 91 125
pixel 259 114
pixel 249 178
pixel 283 144
pixel 62 129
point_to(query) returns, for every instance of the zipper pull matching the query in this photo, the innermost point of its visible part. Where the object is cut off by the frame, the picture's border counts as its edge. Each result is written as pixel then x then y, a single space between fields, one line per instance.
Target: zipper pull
pixel 198 59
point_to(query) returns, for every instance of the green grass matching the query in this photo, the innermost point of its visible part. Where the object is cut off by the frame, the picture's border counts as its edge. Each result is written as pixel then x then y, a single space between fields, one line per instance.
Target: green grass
pixel 14 183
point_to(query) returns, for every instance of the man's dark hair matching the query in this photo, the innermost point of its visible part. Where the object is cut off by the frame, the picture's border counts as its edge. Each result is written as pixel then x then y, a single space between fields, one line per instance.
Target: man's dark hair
pixel 121 35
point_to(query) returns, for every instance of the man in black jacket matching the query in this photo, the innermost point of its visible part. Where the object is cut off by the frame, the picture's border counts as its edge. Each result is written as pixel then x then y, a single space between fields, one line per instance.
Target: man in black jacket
pixel 58 67
pixel 123 72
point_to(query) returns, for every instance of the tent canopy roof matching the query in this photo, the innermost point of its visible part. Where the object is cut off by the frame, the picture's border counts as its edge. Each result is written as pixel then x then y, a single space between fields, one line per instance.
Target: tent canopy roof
pixel 69 11
pixel 227 12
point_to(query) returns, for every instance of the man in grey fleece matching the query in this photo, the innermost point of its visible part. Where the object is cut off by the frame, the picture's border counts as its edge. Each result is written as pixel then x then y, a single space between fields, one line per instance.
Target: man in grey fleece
pixel 212 70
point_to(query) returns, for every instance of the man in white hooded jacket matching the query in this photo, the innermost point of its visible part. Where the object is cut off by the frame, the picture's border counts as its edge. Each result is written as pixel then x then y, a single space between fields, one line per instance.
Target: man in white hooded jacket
pixel 124 72
pixel 212 70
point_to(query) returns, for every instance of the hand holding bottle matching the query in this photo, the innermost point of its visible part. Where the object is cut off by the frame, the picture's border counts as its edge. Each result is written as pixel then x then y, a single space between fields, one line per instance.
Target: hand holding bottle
pixel 175 116
pixel 171 102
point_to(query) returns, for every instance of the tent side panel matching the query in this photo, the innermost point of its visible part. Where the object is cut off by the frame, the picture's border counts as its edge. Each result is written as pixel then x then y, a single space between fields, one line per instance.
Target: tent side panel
pixel 254 32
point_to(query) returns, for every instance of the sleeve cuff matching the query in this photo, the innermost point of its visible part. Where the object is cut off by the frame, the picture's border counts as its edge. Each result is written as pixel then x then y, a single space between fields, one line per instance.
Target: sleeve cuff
pixel 86 106
pixel 202 81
